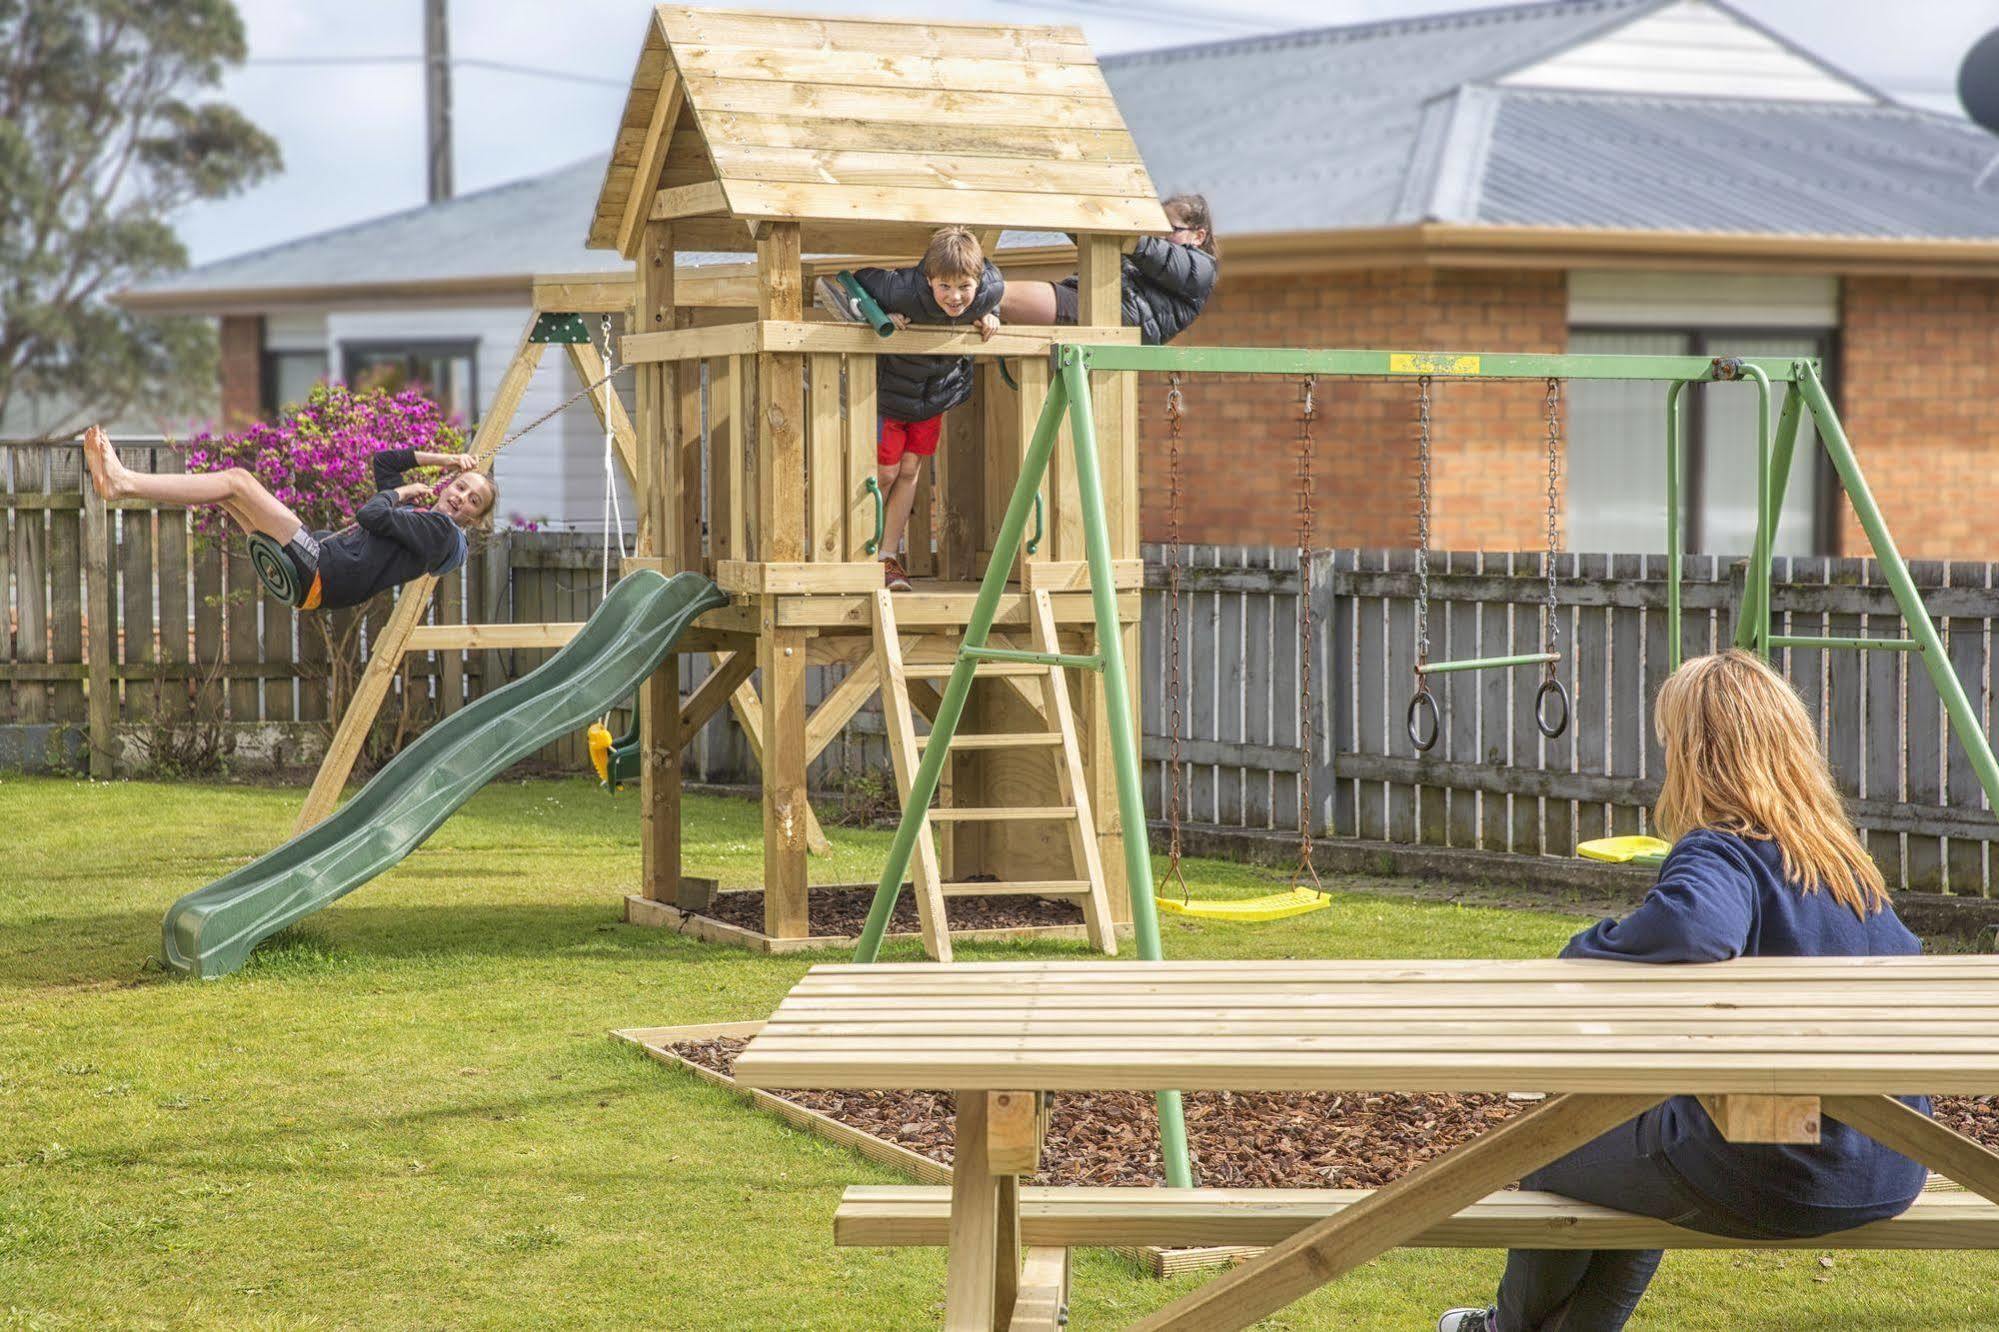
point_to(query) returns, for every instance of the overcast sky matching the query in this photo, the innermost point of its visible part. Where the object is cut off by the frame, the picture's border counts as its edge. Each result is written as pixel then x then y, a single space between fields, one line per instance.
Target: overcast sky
pixel 352 133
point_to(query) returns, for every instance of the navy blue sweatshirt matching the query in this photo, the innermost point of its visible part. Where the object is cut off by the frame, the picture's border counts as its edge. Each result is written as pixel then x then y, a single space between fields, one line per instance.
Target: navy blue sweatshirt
pixel 1721 896
pixel 390 542
pixel 916 388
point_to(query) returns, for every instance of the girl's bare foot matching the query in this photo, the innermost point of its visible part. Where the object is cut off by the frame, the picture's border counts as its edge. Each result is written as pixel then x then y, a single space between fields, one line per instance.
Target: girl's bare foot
pixel 96 449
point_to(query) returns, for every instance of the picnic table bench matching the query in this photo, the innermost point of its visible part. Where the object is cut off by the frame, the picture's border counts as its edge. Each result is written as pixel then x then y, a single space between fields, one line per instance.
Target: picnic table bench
pixel 1768 1044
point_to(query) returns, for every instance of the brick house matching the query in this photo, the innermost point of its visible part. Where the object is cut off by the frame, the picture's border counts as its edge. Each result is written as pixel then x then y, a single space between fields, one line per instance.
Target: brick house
pixel 1658 176
pixel 1661 176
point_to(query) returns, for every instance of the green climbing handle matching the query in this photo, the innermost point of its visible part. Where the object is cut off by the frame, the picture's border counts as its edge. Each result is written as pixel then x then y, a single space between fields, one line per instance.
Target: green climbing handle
pixel 873 487
pixel 1034 542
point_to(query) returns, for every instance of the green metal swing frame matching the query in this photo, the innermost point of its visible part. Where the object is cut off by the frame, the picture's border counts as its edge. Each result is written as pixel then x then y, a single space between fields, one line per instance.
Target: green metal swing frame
pixel 1069 391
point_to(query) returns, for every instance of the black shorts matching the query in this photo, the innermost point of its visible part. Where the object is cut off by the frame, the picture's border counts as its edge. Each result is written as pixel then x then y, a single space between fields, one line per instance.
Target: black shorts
pixel 1069 301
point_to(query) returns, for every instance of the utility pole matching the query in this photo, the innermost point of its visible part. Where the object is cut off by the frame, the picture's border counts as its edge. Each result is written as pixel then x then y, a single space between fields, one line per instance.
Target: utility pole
pixel 437 97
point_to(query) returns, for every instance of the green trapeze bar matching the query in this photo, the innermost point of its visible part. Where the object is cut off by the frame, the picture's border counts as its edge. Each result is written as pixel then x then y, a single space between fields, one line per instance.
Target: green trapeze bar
pixel 1865 644
pixel 1074 663
pixel 1487 663
pixel 1964 720
pixel 1437 365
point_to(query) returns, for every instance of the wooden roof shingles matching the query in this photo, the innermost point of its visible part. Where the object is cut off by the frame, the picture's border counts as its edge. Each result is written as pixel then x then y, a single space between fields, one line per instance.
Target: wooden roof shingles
pixel 869 132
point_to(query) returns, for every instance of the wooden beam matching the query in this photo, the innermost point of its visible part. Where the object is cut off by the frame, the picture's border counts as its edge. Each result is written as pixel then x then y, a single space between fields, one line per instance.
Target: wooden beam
pixel 793 578
pixel 103 701
pixel 1920 1138
pixel 970 1272
pixel 589 364
pixel 795 335
pixel 689 201
pixel 712 693
pixel 786 808
pixel 661 742
pixel 385 653
pixel 1013 1132
pixel 583 293
pixel 749 712
pixel 489 637
pixel 652 159
pixel 1412 1204
pixel 835 710
pixel 690 344
pixel 1793 1119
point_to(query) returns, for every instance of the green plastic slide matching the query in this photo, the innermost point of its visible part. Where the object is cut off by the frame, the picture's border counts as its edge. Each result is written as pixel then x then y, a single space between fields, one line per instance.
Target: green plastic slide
pixel 210 932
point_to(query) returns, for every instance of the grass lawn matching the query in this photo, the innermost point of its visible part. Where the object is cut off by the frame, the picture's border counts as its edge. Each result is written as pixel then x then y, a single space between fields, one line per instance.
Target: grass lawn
pixel 408 1113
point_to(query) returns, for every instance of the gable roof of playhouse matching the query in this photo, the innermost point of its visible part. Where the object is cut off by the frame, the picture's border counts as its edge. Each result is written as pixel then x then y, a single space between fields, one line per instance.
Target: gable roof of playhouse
pixel 870 133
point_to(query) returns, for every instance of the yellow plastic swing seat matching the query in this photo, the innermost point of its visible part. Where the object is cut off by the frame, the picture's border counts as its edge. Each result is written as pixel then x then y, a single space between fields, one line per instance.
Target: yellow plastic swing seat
pixel 1271 906
pixel 1626 850
pixel 600 752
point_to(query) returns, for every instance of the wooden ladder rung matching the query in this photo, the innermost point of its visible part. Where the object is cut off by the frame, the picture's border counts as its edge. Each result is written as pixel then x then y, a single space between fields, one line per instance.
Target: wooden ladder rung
pixel 1002 740
pixel 1002 814
pixel 984 670
pixel 1025 888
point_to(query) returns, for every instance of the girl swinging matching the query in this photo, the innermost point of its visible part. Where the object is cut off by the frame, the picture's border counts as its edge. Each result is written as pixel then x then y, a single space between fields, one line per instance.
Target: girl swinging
pixel 389 542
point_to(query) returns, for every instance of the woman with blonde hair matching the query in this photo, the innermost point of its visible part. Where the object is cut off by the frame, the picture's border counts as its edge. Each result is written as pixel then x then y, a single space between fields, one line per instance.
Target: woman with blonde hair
pixel 1765 864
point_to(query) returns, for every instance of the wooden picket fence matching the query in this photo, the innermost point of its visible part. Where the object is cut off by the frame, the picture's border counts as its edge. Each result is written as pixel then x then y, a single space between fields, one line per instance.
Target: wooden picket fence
pixel 186 638
pixel 1492 782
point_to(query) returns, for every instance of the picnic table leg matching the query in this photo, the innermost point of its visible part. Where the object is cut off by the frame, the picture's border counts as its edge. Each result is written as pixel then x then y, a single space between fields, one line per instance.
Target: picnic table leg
pixel 972 1279
pixel 1921 1139
pixel 1006 1249
pixel 1412 1204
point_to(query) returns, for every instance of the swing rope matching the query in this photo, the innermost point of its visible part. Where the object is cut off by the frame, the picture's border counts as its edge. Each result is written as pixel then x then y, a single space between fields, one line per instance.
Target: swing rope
pixel 614 516
pixel 1297 899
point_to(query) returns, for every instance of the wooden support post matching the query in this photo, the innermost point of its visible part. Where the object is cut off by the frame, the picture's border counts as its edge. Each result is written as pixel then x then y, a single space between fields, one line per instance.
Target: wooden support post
pixel 781 659
pixel 687 492
pixel 660 738
pixel 589 364
pixel 103 700
pixel 1920 1138
pixel 972 1276
pixel 826 447
pixel 385 652
pixel 1101 292
pixel 781 511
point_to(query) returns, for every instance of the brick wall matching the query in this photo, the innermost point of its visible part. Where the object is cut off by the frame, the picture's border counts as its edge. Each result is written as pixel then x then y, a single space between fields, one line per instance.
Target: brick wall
pixel 1240 437
pixel 242 353
pixel 1919 372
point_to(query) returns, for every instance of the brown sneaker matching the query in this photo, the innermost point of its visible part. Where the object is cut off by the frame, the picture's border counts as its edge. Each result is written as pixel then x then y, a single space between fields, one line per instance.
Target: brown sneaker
pixel 894 577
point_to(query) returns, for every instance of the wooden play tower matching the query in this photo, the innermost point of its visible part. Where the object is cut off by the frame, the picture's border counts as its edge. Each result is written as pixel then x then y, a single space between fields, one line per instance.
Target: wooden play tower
pixel 786 137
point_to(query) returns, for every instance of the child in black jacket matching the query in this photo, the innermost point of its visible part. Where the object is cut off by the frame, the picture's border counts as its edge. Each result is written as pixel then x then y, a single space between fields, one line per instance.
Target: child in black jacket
pixel 955 284
pixel 1166 280
pixel 389 543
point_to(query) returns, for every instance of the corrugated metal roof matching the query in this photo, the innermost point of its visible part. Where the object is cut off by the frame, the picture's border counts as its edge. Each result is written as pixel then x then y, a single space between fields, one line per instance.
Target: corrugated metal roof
pixel 1316 130
pixel 1701 164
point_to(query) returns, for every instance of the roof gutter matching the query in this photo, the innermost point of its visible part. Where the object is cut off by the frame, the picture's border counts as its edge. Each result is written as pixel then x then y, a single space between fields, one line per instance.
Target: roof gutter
pixel 1451 245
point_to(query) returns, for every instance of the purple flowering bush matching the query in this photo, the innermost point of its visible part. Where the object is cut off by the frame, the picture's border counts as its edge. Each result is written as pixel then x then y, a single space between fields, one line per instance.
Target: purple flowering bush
pixel 316 457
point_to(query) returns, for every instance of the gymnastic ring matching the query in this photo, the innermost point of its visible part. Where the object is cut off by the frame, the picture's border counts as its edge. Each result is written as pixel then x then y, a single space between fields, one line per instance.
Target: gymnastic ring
pixel 1551 688
pixel 275 569
pixel 1420 702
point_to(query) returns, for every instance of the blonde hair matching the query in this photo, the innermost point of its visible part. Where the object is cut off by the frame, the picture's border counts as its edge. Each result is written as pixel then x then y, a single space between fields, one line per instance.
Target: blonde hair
pixel 954 252
pixel 1742 757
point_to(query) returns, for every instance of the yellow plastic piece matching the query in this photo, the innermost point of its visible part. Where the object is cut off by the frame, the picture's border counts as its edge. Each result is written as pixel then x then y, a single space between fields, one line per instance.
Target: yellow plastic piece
pixel 600 751
pixel 1625 850
pixel 1271 906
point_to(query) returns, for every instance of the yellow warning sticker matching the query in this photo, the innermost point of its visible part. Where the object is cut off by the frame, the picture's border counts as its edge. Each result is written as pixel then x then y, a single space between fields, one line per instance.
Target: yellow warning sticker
pixel 1429 363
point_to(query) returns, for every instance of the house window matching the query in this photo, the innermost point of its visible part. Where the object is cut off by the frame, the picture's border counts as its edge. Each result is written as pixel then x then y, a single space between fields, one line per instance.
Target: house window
pixel 447 372
pixel 289 376
pixel 1616 488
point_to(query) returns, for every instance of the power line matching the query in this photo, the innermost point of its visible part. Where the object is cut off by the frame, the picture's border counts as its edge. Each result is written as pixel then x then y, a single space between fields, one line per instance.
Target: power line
pixel 465 62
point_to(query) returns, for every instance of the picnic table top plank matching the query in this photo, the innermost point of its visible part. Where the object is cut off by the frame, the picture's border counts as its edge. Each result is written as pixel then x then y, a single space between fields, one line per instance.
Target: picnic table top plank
pixel 1762 1025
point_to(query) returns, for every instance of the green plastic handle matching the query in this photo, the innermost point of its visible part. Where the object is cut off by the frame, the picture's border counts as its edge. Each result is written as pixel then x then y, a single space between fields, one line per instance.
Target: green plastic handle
pixel 873 487
pixel 870 311
pixel 1034 542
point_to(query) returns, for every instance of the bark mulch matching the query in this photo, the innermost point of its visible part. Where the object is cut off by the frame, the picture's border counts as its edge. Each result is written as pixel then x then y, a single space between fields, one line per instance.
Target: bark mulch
pixel 841 912
pixel 1238 1139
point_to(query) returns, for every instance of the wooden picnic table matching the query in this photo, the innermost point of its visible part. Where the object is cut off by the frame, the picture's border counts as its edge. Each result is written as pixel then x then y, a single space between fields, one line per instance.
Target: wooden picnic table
pixel 1767 1043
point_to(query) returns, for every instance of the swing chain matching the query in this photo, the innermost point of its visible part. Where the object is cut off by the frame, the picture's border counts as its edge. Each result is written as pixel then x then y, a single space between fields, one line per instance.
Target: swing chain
pixel 1175 558
pixel 1422 523
pixel 1554 405
pixel 1308 730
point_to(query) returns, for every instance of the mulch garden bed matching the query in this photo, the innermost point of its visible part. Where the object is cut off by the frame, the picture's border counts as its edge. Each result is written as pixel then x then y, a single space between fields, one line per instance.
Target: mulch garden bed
pixel 1238 1139
pixel 842 912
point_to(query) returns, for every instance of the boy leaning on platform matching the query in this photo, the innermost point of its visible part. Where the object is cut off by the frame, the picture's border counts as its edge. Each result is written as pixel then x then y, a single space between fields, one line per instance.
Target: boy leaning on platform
pixel 955 284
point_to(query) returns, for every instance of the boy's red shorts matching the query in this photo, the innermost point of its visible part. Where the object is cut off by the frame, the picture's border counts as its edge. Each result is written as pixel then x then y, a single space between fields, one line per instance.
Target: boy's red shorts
pixel 899 437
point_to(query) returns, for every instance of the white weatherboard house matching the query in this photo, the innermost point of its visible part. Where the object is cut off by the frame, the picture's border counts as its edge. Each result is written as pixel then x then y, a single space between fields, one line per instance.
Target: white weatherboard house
pixel 1690 171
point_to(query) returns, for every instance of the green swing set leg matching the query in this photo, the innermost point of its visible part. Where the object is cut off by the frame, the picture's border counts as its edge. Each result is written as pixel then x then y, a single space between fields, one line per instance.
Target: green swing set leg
pixel 1071 391
pixel 1964 720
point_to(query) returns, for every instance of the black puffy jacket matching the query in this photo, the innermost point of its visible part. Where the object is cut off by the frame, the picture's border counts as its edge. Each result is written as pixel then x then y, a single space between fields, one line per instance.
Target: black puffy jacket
pixel 916 388
pixel 1165 286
